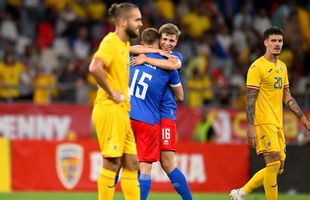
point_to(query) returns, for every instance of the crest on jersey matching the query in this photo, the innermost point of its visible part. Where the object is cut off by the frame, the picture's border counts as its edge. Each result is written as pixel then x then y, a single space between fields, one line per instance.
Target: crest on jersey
pixel 69 164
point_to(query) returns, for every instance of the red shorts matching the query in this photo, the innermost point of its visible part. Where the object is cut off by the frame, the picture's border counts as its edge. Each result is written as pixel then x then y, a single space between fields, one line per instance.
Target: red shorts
pixel 168 133
pixel 147 140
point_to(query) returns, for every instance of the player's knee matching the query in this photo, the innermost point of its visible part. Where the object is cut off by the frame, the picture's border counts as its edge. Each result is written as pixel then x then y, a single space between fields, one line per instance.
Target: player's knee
pixel 112 164
pixel 132 165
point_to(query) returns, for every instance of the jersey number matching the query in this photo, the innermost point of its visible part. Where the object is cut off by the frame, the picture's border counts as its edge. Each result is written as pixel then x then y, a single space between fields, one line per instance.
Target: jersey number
pixel 278 83
pixel 139 93
pixel 165 133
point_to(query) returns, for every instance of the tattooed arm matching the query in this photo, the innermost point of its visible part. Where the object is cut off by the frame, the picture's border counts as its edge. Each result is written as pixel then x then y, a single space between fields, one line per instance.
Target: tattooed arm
pixel 293 106
pixel 250 111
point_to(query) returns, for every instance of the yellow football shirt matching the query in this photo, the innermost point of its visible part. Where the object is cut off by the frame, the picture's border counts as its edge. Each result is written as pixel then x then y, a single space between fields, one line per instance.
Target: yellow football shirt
pixel 115 55
pixel 270 80
pixel 10 76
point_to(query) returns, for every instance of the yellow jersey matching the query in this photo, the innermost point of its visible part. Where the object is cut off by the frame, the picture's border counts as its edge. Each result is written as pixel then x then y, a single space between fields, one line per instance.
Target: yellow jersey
pixel 10 76
pixel 115 55
pixel 270 80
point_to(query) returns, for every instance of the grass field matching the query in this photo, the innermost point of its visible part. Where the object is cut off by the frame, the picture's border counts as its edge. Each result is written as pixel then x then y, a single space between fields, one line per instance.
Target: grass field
pixel 119 196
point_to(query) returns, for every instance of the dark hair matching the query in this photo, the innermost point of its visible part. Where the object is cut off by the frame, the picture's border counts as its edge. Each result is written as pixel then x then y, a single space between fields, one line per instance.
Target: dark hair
pixel 150 35
pixel 116 10
pixel 272 31
pixel 170 29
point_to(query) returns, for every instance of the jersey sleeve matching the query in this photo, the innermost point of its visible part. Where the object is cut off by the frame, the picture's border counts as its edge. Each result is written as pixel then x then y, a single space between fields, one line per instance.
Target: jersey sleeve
pixel 286 82
pixel 106 51
pixel 179 55
pixel 253 77
pixel 174 79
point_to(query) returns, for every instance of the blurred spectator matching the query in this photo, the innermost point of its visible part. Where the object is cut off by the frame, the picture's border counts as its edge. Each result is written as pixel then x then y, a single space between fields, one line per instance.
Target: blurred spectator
pixel 243 16
pixel 196 22
pixel 68 81
pixel 204 131
pixel 8 29
pixel 261 21
pixel 65 18
pixel 166 9
pixel 81 46
pixel 44 87
pixel 10 76
pixel 199 89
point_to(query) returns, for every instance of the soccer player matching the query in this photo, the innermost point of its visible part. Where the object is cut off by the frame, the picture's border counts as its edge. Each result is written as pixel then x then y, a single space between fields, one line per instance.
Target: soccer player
pixel 169 35
pixel 147 85
pixel 267 88
pixel 110 68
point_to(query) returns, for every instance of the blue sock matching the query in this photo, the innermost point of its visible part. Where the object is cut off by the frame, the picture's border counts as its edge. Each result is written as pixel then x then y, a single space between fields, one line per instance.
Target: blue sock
pixel 145 185
pixel 179 183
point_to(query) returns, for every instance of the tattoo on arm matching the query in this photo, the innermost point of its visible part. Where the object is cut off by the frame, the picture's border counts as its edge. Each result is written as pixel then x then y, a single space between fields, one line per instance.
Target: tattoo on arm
pixel 292 104
pixel 250 105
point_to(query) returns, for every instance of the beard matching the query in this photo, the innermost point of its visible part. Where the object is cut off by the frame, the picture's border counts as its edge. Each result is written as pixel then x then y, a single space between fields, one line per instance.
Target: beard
pixel 131 33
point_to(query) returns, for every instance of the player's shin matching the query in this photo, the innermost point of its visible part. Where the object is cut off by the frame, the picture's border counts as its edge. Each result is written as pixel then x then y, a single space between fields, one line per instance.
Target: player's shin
pixel 270 180
pixel 130 184
pixel 255 182
pixel 179 183
pixel 106 185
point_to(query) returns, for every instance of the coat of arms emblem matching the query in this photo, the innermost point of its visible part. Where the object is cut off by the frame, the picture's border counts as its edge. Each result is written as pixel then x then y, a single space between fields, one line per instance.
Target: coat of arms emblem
pixel 69 164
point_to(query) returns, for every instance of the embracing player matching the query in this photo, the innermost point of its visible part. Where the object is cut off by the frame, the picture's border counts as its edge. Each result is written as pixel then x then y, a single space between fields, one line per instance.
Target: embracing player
pixel 169 35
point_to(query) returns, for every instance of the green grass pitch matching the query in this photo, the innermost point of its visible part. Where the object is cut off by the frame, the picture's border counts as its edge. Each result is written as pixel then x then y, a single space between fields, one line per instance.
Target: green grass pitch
pixel 119 196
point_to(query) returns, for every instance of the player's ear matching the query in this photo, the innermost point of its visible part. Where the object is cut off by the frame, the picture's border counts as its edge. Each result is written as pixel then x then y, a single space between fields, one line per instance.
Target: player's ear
pixel 265 43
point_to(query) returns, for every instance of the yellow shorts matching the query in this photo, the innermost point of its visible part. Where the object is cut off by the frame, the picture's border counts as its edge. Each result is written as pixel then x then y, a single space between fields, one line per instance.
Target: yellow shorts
pixel 270 139
pixel 115 136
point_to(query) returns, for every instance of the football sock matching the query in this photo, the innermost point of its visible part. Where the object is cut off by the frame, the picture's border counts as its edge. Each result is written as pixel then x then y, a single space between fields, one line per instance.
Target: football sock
pixel 179 183
pixel 106 185
pixel 130 184
pixel 145 185
pixel 255 182
pixel 270 180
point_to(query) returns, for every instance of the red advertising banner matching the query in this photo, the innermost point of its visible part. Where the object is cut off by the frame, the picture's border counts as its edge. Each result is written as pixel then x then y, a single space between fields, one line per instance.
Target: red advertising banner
pixel 59 122
pixel 48 165
pixel 230 124
pixel 47 122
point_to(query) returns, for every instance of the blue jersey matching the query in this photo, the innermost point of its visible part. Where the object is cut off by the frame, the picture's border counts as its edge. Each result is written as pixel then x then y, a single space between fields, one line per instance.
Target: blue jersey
pixel 147 86
pixel 168 106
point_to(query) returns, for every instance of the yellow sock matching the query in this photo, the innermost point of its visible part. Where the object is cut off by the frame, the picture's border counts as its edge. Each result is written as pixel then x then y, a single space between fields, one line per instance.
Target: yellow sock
pixel 106 185
pixel 255 182
pixel 270 180
pixel 130 185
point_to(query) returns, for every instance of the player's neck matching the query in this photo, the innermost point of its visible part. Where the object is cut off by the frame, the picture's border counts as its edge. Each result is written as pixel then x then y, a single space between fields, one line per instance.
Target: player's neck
pixel 271 58
pixel 121 34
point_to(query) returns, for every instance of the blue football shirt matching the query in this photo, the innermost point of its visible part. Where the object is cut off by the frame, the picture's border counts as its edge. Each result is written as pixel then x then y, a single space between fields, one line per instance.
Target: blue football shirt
pixel 168 106
pixel 146 87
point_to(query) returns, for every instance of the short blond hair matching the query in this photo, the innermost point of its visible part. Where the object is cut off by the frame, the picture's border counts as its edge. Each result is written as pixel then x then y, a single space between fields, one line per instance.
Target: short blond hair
pixel 170 29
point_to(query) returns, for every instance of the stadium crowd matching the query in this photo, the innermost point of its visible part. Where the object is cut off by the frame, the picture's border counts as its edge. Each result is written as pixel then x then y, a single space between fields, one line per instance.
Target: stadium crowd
pixel 46 46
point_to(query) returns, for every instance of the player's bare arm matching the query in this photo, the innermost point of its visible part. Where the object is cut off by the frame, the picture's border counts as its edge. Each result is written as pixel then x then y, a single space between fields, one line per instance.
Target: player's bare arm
pixel 293 106
pixel 96 68
pixel 250 111
pixel 140 49
pixel 169 64
pixel 178 92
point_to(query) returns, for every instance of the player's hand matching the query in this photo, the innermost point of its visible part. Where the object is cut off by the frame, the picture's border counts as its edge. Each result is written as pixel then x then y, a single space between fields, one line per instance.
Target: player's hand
pixel 139 60
pixel 117 97
pixel 251 136
pixel 306 124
